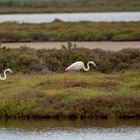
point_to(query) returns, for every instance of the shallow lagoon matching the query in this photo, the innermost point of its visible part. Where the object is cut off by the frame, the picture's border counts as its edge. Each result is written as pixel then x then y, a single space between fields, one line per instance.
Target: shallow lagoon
pixel 70 129
pixel 72 17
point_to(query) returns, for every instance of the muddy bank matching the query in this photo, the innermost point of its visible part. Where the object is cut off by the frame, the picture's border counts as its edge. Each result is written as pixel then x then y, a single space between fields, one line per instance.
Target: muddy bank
pixel 105 45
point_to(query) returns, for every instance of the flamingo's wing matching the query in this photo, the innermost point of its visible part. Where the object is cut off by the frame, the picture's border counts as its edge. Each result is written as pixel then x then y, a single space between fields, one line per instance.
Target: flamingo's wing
pixel 71 67
pixel 75 66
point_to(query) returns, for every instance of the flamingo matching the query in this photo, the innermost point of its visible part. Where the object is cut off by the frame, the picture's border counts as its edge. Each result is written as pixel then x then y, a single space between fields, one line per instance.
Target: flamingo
pixel 80 65
pixel 5 74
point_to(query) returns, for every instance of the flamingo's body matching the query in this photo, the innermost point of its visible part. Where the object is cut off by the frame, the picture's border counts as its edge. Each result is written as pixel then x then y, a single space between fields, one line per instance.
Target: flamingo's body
pixel 5 74
pixel 80 65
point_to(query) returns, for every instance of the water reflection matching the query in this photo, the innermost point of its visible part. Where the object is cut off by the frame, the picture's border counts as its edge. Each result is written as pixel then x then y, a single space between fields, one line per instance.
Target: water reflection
pixel 51 123
pixel 69 129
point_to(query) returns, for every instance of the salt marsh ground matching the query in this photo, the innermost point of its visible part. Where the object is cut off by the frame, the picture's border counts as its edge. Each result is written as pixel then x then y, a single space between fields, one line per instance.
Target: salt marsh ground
pixel 66 95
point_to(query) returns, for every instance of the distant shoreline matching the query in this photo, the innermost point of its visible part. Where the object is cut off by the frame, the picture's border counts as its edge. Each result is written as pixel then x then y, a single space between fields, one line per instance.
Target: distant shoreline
pixel 69 6
pixel 67 12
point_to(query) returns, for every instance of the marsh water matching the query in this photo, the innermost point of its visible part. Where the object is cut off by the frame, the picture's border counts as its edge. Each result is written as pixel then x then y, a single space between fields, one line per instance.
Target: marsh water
pixel 104 45
pixel 69 129
pixel 72 17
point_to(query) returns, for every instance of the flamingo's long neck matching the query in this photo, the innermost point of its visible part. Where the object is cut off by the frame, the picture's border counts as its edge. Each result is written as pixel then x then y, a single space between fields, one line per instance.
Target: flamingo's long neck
pixel 4 77
pixel 88 67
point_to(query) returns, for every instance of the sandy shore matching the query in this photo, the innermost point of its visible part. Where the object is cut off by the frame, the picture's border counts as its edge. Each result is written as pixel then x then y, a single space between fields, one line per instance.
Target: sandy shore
pixel 113 46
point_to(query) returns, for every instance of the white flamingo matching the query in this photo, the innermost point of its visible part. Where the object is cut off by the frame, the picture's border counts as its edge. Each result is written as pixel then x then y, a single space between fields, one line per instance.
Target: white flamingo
pixel 5 74
pixel 80 65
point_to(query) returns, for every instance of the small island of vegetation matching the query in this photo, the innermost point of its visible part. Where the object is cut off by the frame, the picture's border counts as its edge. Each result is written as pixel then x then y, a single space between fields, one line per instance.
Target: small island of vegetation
pixel 70 31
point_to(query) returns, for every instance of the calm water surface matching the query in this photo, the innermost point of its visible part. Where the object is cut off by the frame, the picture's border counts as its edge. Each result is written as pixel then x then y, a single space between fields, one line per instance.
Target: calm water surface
pixel 73 17
pixel 70 130
pixel 104 45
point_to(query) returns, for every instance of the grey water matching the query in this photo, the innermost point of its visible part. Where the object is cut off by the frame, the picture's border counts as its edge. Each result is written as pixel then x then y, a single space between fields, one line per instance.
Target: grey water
pixel 69 129
pixel 71 17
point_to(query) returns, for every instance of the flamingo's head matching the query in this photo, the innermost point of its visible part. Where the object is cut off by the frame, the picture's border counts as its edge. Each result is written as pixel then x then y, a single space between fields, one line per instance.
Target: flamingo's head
pixel 93 63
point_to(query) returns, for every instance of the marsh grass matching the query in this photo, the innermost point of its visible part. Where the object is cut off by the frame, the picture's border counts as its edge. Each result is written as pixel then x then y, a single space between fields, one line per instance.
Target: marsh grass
pixel 77 95
pixel 70 31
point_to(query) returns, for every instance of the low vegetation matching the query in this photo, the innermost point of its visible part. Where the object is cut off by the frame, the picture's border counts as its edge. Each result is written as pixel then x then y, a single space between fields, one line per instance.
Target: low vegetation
pixel 27 60
pixel 70 31
pixel 42 6
pixel 35 90
pixel 78 95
